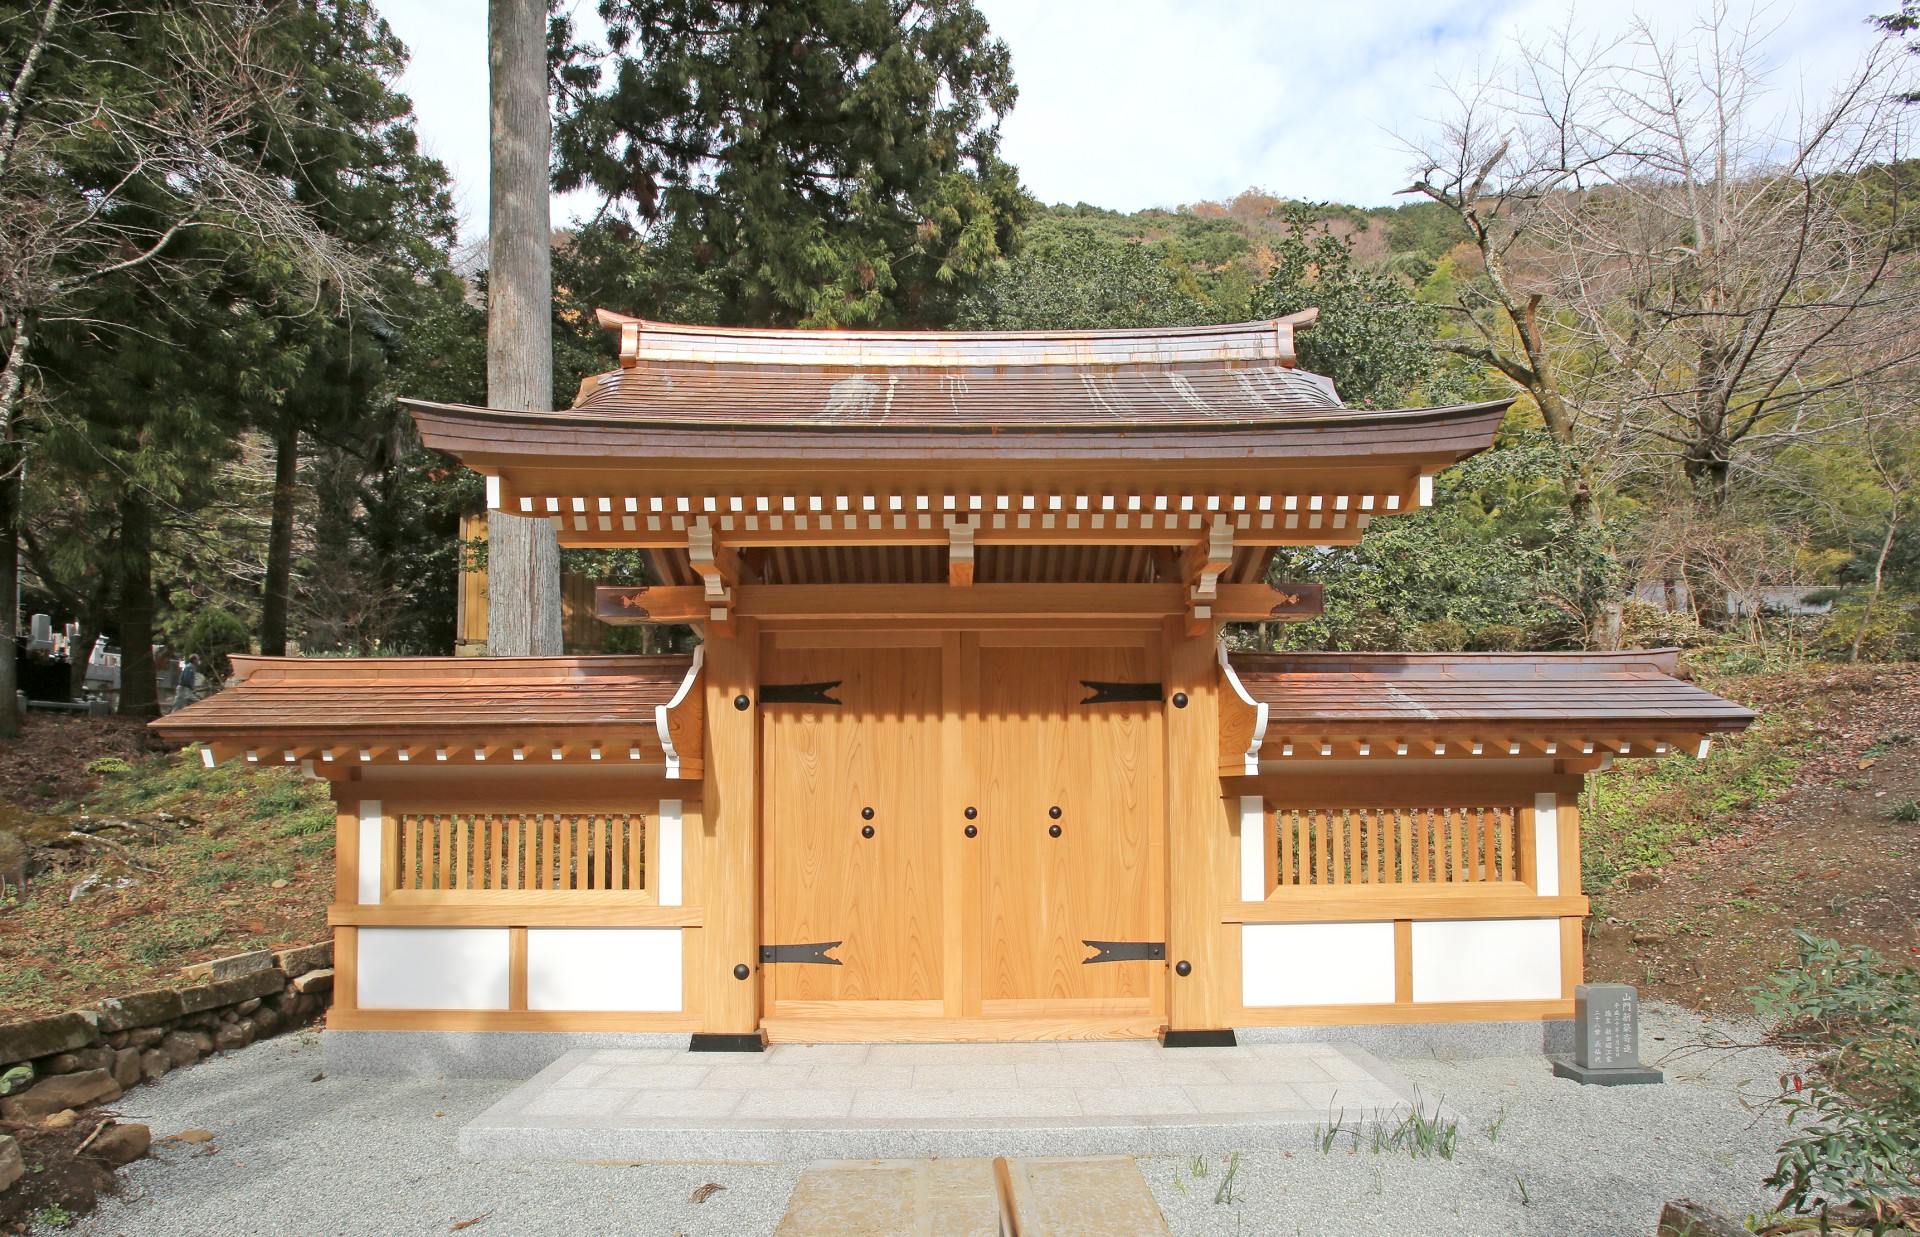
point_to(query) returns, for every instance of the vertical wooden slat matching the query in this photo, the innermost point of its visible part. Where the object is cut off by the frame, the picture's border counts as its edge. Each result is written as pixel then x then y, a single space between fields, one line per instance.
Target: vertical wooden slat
pixel 617 851
pixel 462 849
pixel 442 833
pixel 563 870
pixel 1272 848
pixel 1283 830
pixel 638 838
pixel 594 877
pixel 409 841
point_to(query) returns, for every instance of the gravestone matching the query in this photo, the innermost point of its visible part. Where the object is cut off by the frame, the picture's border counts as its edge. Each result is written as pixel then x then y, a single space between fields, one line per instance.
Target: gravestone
pixel 1606 1039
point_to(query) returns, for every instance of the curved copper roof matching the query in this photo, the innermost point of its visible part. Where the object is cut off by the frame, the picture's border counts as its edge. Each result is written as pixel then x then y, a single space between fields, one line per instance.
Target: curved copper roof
pixel 1348 690
pixel 403 697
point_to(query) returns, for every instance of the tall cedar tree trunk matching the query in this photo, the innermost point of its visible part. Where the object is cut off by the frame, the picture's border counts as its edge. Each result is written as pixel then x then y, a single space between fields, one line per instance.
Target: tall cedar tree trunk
pixel 276 594
pixel 523 562
pixel 137 695
pixel 12 384
pixel 10 590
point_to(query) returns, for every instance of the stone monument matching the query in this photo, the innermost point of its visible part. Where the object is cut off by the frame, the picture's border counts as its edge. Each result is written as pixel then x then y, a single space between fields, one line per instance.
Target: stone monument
pixel 1606 1039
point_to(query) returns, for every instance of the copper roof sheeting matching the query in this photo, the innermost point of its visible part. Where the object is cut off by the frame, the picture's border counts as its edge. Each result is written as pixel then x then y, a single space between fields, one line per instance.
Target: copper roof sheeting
pixel 1348 692
pixel 407 697
pixel 684 389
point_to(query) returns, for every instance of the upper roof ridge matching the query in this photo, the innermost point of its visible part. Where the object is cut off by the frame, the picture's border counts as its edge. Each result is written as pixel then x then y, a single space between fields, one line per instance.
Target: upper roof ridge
pixel 1269 341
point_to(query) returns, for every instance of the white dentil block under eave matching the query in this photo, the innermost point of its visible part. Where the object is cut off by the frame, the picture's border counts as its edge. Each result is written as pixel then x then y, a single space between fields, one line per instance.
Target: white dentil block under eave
pixel 1316 964
pixel 433 968
pixel 371 832
pixel 1486 960
pixel 624 969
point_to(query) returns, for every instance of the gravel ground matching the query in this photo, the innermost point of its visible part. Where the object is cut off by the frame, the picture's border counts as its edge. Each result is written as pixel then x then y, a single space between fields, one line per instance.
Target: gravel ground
pixel 360 1156
pixel 1567 1160
pixel 378 1156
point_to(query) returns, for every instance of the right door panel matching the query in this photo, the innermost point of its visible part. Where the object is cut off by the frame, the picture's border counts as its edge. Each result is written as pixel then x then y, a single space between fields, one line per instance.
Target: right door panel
pixel 1070 809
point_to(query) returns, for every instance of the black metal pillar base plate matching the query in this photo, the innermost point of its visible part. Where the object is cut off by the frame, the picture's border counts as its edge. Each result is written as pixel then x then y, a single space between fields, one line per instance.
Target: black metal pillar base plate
pixel 1171 1038
pixel 1618 1076
pixel 751 1041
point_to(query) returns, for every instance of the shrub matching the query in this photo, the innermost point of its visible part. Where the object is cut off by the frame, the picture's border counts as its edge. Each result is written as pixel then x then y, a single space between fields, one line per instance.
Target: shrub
pixel 108 766
pixel 215 635
pixel 1892 632
pixel 1644 626
pixel 1501 638
pixel 1443 635
pixel 1857 1015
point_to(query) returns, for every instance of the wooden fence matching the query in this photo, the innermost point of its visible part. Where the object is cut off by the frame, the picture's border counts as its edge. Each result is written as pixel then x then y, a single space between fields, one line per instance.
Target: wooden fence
pixel 499 852
pixel 1426 846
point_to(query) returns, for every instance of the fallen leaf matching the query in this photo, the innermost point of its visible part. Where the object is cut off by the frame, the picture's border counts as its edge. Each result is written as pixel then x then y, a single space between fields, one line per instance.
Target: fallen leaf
pixel 190 1136
pixel 707 1191
pixel 1869 762
pixel 470 1223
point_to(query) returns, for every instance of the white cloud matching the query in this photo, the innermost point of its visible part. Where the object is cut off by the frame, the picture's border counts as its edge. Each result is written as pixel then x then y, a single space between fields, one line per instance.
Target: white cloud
pixel 1135 103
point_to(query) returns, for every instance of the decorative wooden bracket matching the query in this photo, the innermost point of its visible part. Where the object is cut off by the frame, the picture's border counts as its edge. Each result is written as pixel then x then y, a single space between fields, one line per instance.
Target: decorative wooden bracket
pixel 719 568
pixel 1200 570
pixel 960 553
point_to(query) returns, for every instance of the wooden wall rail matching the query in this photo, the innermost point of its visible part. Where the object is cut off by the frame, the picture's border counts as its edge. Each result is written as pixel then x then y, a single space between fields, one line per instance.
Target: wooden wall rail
pixel 501 912
pixel 1378 904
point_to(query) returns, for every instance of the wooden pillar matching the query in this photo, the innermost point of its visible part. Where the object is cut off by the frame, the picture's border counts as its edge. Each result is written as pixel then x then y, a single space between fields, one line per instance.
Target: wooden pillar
pixel 730 828
pixel 1199 875
pixel 346 892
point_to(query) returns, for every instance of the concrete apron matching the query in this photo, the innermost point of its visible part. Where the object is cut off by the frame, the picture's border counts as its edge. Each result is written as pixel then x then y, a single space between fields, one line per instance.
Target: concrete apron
pixel 904 1101
pixel 1098 1197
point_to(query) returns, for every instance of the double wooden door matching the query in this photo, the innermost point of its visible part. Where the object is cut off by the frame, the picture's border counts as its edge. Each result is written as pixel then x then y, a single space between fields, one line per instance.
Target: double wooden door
pixel 962 813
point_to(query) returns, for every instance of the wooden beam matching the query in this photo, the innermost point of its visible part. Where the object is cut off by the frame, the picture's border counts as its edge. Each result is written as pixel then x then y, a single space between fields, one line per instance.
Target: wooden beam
pixel 1268 603
pixel 866 602
pixel 627 605
pixel 1372 903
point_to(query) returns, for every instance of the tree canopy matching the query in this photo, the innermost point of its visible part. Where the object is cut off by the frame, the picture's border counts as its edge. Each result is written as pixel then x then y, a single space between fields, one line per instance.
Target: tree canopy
pixel 814 162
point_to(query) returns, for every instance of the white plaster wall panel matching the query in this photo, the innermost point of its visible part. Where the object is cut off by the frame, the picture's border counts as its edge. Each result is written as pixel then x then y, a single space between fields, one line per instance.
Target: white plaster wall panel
pixel 433 968
pixel 1316 964
pixel 1253 841
pixel 370 835
pixel 1546 845
pixel 1486 960
pixel 627 969
pixel 672 847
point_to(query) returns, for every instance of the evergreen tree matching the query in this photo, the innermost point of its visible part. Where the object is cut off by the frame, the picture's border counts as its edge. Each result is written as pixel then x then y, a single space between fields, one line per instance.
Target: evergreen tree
pixel 811 162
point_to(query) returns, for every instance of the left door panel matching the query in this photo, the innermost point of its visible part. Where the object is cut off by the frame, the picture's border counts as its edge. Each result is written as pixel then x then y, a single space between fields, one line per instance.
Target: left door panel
pixel 849 794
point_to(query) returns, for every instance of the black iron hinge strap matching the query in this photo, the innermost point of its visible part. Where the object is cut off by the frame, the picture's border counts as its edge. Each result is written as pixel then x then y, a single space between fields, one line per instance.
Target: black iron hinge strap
pixel 815 954
pixel 1125 951
pixel 798 693
pixel 1123 693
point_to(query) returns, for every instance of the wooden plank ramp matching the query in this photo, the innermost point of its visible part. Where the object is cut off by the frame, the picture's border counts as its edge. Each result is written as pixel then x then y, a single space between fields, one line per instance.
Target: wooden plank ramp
pixel 1097 1196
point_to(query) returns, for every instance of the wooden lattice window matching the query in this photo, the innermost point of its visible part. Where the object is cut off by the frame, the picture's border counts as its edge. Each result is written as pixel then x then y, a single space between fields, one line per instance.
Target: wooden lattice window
pixel 1450 845
pixel 575 852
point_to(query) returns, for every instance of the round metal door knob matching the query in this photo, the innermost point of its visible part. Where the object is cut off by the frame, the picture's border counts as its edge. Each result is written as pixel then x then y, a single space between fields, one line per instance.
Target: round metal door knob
pixel 741 702
pixel 1053 831
pixel 741 971
pixel 866 813
pixel 1054 812
pixel 971 813
pixel 1183 968
pixel 972 830
pixel 1179 700
pixel 866 831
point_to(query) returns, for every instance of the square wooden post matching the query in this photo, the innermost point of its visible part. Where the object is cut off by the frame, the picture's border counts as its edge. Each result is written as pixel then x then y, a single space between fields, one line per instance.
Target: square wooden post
pixel 730 828
pixel 1199 875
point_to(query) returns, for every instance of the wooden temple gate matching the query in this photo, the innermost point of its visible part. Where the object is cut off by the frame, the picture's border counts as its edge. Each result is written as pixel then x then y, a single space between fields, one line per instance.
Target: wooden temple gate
pixel 962 753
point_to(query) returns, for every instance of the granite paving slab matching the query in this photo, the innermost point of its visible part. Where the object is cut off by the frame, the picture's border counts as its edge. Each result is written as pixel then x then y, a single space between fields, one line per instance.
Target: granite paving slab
pixel 900 1101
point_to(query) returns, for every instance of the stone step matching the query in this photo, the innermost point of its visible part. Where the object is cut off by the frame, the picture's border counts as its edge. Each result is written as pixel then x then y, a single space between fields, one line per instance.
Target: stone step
pixel 1044 1197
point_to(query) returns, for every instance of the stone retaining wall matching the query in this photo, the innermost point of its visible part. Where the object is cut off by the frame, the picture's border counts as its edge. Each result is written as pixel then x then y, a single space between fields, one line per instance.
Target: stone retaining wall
pixel 93 1054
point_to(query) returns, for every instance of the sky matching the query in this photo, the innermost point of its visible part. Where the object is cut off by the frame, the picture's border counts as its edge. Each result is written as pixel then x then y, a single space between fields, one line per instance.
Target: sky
pixel 1129 104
